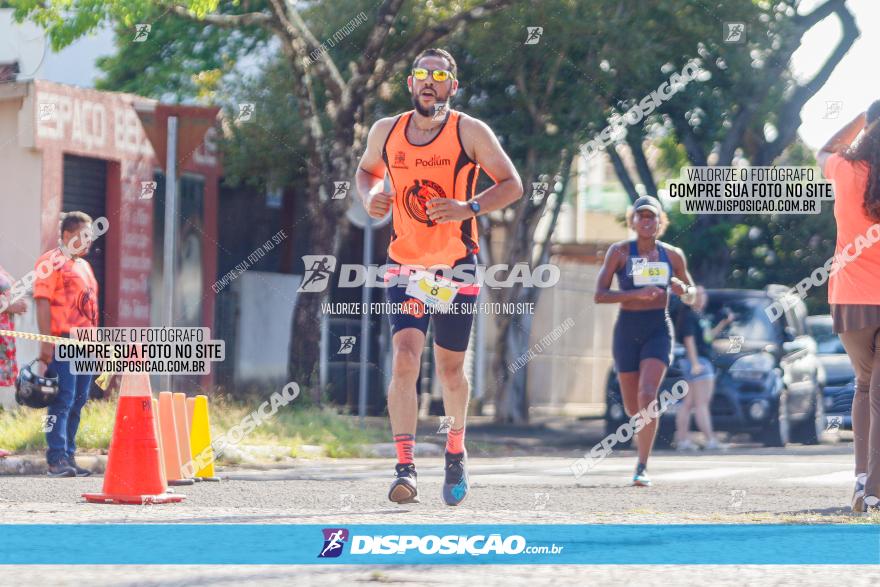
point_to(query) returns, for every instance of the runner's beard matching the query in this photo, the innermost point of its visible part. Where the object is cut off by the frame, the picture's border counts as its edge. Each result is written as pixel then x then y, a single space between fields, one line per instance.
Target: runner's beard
pixel 430 110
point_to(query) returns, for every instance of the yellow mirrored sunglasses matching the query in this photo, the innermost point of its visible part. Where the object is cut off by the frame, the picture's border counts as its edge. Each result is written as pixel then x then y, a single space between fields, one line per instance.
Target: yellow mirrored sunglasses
pixel 439 75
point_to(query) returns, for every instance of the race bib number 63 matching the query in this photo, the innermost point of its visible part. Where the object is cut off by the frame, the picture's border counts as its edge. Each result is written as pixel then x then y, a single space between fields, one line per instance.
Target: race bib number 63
pixel 653 273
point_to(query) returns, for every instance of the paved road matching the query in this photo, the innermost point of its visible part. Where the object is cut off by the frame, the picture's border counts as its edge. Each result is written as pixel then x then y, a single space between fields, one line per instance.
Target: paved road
pixel 745 485
pixel 804 484
pixel 444 576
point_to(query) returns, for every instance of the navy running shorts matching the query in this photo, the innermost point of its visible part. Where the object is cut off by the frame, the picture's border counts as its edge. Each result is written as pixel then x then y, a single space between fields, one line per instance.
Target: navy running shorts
pixel 641 334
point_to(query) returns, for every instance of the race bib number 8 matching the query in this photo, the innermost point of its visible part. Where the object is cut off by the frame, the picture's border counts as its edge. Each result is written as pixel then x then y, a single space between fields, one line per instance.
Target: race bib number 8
pixel 654 273
pixel 437 293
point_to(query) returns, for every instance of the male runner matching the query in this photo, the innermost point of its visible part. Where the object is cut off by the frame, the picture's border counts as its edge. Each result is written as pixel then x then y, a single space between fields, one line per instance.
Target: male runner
pixel 433 155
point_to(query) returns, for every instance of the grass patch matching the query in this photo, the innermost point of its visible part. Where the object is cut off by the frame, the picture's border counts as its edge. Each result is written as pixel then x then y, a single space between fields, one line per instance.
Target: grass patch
pixel 22 430
pixel 292 427
pixel 340 435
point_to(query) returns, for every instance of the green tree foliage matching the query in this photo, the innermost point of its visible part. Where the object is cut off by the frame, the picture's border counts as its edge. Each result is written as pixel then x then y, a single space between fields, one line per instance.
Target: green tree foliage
pixel 594 58
pixel 748 110
pixel 765 249
pixel 181 60
pixel 334 77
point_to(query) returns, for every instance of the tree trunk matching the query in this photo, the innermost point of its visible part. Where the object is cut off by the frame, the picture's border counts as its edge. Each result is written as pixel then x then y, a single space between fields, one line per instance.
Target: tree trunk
pixel 306 332
pixel 511 400
pixel 327 227
pixel 514 330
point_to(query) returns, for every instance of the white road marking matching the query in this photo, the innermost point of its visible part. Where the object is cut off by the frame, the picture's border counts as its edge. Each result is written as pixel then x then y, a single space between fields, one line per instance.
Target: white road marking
pixel 845 477
pixel 702 474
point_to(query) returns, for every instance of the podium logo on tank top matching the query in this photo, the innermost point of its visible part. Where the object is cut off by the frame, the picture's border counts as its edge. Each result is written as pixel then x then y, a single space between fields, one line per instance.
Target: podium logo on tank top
pixel 417 196
pixel 434 161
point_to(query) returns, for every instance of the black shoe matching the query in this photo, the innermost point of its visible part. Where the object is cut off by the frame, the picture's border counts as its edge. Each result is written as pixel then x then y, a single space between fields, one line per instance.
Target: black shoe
pixel 80 472
pixel 403 488
pixel 62 469
pixel 455 486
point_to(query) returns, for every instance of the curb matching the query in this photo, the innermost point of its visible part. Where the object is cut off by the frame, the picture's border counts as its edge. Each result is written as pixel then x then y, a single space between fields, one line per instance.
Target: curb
pixel 389 450
pixel 35 464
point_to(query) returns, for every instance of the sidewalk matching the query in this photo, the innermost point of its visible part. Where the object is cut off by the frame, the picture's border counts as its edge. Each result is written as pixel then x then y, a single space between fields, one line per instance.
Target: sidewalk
pixel 544 436
pixel 35 464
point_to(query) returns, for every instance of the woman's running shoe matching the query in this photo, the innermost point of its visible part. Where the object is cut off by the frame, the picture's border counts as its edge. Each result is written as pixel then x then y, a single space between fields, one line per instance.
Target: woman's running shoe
pixel 858 498
pixel 640 479
pixel 404 487
pixel 872 504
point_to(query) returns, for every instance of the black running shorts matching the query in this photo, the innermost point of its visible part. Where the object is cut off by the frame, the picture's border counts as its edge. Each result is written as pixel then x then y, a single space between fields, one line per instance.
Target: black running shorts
pixel 452 330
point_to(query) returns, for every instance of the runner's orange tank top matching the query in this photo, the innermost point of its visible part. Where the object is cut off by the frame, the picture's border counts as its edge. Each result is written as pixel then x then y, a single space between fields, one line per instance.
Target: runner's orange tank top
pixel 438 169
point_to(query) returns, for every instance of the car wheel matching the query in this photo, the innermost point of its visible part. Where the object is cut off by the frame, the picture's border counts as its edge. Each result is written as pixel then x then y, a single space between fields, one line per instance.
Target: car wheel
pixel 811 429
pixel 778 432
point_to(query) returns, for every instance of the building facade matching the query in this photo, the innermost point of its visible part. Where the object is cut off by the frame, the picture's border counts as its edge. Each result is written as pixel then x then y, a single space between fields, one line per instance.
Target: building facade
pixel 66 148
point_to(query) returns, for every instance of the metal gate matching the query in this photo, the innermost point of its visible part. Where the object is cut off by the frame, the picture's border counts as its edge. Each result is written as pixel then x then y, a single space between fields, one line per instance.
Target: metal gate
pixel 85 189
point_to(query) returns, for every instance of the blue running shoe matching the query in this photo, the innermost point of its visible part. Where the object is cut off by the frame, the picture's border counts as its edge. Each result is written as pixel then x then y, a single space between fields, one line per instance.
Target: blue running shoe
pixel 455 486
pixel 404 487
pixel 641 479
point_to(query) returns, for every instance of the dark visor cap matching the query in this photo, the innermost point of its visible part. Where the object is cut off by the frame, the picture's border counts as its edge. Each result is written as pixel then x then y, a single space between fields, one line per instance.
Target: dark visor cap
pixel 648 203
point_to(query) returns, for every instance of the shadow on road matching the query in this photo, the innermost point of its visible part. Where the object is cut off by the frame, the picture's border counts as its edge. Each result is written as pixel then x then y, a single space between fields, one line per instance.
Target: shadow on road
pixel 838 511
pixel 251 519
pixel 552 435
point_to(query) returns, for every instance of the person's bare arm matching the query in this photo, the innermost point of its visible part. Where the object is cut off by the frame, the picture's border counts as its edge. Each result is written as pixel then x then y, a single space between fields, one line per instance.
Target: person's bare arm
pixel 44 324
pixel 841 140
pixel 481 145
pixel 718 328
pixel 17 307
pixel 614 260
pixel 682 283
pixel 370 176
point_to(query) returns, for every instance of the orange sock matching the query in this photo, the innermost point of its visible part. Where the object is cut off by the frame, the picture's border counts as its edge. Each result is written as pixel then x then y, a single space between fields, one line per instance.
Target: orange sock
pixel 405 444
pixel 455 441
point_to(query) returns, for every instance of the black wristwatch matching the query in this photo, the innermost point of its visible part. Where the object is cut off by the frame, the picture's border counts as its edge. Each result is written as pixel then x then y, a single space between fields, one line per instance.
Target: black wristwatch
pixel 474 206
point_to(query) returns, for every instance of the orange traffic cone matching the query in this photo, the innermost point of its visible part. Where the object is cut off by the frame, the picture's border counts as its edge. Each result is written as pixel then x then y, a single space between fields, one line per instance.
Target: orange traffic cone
pixel 182 422
pixel 134 473
pixel 190 403
pixel 170 445
pixel 157 428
